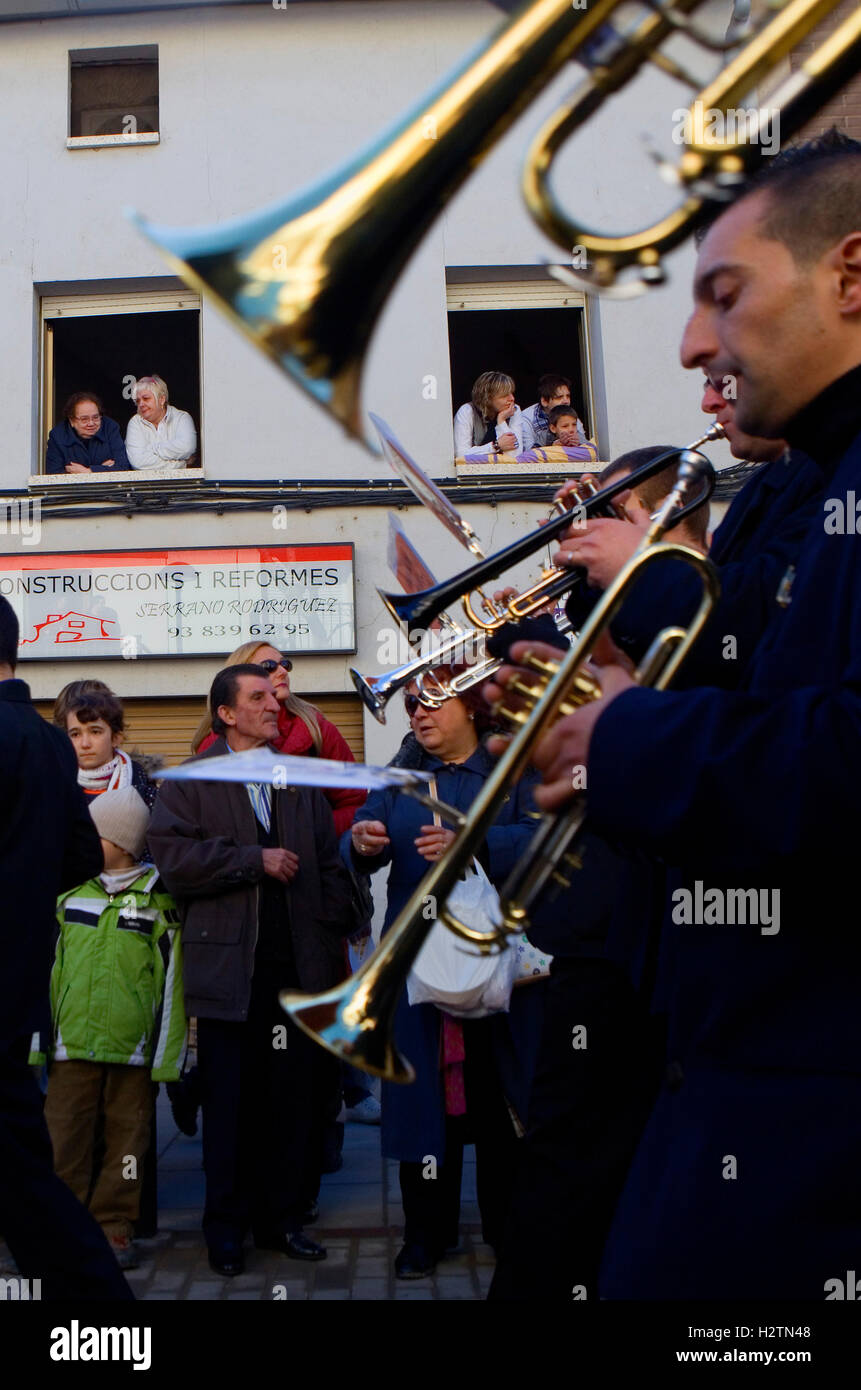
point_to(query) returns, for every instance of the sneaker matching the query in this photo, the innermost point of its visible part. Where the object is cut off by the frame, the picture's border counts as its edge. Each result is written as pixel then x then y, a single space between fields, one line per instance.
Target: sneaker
pixel 125 1252
pixel 367 1111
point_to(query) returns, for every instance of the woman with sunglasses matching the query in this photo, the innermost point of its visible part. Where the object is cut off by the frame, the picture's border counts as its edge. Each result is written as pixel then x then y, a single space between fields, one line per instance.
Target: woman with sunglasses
pixel 302 729
pixel 471 1073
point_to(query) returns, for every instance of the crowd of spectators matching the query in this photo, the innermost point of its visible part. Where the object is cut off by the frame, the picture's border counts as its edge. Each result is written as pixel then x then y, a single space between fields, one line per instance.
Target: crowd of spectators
pixel 491 423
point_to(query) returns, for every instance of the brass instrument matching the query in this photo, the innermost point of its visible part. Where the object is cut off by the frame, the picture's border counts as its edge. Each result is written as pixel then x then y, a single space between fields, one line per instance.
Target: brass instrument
pixel 417 610
pixel 307 278
pixel 355 1019
pixel 465 645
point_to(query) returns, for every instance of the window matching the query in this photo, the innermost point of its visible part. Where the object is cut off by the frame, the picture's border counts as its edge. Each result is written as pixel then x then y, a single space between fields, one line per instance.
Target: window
pixel 103 342
pixel 113 96
pixel 521 327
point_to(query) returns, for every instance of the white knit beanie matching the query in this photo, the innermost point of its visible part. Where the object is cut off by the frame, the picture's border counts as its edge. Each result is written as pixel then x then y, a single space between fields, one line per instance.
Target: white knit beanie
pixel 122 817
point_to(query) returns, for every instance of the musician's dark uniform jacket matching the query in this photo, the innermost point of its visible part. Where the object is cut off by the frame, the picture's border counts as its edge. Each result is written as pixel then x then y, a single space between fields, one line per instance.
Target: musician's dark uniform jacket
pixel 588 1107
pixel 745 1183
pixel 756 541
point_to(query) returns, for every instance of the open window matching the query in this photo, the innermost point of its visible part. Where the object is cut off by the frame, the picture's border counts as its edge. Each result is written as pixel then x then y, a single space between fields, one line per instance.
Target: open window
pixel 104 342
pixel 524 328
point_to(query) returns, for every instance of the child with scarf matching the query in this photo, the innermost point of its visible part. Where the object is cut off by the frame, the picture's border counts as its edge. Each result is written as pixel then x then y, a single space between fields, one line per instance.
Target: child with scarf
pixel 93 718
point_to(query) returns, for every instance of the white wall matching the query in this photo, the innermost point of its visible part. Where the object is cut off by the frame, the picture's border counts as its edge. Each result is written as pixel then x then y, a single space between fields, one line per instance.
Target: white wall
pixel 255 104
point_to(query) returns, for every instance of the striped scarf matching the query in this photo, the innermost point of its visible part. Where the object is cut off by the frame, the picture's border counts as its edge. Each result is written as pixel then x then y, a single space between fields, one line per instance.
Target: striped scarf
pixel 109 777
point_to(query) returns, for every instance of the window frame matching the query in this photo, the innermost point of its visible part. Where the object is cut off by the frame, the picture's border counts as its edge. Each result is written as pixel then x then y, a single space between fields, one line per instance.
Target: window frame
pixel 487 289
pixel 117 53
pixel 95 304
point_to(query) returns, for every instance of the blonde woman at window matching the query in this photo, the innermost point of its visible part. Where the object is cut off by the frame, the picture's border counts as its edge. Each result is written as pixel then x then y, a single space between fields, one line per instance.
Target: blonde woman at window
pixel 159 436
pixel 491 418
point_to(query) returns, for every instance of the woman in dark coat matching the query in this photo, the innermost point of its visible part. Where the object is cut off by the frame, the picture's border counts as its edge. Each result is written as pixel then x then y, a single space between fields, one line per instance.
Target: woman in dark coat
pixel 472 1073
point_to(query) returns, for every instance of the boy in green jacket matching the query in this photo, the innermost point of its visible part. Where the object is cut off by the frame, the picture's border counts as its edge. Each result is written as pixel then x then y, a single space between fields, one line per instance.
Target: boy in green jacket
pixel 118 1019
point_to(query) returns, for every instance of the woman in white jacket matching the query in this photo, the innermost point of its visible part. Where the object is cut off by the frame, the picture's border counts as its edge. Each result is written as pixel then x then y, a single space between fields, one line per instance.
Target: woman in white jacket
pixel 491 419
pixel 159 436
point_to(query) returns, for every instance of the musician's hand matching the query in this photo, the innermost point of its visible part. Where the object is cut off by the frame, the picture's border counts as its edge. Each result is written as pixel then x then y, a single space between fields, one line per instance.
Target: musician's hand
pixel 568 492
pixel 566 746
pixel 604 545
pixel 369 837
pixel 433 841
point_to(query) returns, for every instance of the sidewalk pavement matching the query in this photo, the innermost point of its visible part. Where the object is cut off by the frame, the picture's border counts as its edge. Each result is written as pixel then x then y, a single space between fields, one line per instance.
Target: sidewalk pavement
pixel 360 1224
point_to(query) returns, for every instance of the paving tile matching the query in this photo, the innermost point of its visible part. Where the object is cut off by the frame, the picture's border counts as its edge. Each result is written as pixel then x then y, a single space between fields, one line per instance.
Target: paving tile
pixel 371 1289
pixel 204 1289
pixel 172 1279
pixel 405 1294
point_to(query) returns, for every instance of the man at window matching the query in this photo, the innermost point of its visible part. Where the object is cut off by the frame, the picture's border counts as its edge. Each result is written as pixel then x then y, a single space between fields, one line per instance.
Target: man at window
pixel 159 436
pixel 86 441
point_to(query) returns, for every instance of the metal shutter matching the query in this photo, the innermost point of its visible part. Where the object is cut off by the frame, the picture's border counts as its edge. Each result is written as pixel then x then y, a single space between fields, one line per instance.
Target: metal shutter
pixel 164 726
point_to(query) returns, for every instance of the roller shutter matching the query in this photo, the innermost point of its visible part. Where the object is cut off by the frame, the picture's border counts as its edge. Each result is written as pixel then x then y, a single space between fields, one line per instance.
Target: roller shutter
pixel 164 727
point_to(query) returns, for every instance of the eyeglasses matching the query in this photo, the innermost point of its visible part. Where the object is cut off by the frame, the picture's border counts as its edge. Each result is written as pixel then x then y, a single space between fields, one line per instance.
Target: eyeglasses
pixel 87 419
pixel 269 665
pixel 412 703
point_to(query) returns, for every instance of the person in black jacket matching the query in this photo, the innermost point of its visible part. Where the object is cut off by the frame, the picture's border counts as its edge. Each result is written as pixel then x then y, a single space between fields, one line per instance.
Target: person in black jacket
pixel 265 903
pixel 744 1184
pixel 48 843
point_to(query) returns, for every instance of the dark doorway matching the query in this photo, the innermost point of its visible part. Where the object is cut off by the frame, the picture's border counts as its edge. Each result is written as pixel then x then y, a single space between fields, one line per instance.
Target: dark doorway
pixel 525 343
pixel 102 353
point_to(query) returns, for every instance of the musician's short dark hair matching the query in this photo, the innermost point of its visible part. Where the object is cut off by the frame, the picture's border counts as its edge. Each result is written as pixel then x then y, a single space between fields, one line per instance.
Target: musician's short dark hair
pixel 652 491
pixel 550 383
pixel 225 687
pixel 8 634
pixel 814 194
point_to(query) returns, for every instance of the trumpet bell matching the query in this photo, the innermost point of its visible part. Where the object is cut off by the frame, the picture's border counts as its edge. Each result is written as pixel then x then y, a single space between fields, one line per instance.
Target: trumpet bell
pixel 342 1021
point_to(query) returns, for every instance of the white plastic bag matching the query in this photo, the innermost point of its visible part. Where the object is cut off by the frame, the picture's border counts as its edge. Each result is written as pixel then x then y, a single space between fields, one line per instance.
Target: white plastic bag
pixel 453 975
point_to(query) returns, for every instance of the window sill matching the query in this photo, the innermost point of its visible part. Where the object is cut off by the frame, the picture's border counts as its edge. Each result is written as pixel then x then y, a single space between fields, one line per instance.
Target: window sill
pixel 133 475
pixel 567 469
pixel 98 142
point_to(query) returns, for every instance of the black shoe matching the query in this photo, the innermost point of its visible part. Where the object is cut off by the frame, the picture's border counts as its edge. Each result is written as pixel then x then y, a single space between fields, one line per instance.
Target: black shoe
pixel 227 1260
pixel 297 1245
pixel 414 1261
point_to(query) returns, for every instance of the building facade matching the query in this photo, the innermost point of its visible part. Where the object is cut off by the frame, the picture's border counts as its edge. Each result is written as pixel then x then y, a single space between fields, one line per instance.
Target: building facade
pixel 199 114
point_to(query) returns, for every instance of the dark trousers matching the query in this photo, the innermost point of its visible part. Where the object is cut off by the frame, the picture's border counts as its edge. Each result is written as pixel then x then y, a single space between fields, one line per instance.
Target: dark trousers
pixel 432 1201
pixel 49 1233
pixel 263 1107
pixel 587 1109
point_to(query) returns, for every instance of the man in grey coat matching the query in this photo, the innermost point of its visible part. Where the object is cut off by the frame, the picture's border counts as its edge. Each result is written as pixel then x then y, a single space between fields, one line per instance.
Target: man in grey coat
pixel 265 903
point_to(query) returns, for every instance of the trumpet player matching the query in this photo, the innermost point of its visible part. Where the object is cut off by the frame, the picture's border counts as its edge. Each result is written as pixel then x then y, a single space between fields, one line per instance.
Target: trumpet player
pixel 744 1183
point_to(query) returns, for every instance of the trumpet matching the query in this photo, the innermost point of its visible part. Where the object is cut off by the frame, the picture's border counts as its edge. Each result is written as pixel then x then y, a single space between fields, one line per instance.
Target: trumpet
pixel 307 278
pixel 417 610
pixel 355 1020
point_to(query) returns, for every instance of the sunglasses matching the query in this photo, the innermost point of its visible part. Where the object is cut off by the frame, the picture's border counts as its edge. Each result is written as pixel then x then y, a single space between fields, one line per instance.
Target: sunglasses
pixel 269 665
pixel 411 704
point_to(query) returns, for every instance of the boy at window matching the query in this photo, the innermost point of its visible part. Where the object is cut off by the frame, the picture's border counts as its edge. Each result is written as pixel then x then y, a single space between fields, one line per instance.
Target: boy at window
pixel 85 441
pixel 566 429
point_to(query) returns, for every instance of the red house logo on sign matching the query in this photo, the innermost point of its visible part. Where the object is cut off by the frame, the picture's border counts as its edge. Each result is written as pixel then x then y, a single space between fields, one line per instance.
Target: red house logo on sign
pixel 72 627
